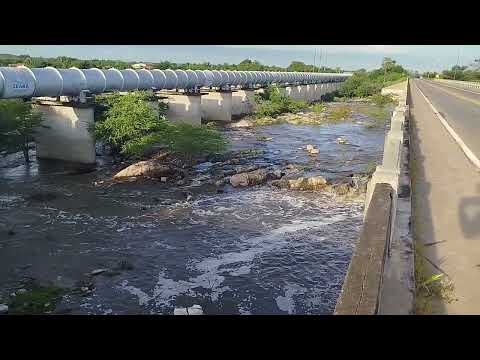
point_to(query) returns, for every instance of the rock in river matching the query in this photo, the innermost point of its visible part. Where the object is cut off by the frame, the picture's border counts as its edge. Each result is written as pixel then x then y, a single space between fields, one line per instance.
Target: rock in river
pixel 241 124
pixel 252 177
pixel 312 183
pixel 150 168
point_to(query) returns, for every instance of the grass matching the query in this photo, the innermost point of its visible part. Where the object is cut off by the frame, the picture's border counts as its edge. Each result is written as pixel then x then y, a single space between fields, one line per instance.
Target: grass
pixel 319 108
pixel 381 100
pixel 38 300
pixel 340 113
pixel 390 83
pixel 429 288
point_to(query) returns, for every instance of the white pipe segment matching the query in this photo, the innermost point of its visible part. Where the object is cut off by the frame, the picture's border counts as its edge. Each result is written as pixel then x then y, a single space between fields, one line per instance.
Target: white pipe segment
pixel 202 78
pixel 130 80
pixel 192 79
pixel 145 79
pixel 209 78
pixel 22 82
pixel 114 79
pixel 182 79
pixel 159 79
pixel 171 79
pixel 217 78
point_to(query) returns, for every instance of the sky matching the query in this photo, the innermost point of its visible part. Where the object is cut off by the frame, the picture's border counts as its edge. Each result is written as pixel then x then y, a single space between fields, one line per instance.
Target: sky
pixel 347 57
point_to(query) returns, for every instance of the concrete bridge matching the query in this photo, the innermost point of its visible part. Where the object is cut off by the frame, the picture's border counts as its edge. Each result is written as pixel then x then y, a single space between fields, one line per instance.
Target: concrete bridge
pixel 66 97
pixel 423 203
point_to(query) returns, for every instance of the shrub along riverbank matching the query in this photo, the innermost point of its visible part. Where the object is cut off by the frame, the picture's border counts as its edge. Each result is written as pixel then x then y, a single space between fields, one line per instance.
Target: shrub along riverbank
pixel 129 125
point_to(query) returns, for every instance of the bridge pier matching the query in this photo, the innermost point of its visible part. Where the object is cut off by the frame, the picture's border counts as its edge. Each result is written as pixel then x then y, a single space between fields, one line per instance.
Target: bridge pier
pixel 309 93
pixel 243 102
pixel 217 106
pixel 295 92
pixel 183 107
pixel 318 92
pixel 65 134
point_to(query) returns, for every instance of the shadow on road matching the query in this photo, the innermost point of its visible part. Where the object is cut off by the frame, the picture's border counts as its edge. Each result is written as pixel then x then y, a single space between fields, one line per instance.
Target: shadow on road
pixel 422 222
pixel 469 214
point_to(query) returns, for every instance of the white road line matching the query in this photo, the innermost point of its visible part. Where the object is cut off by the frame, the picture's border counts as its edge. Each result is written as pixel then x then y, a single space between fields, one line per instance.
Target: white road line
pixel 469 153
pixel 453 87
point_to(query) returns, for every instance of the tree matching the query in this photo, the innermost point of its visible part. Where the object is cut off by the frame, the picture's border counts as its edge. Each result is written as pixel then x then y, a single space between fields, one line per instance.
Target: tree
pixel 127 121
pixel 132 128
pixel 18 124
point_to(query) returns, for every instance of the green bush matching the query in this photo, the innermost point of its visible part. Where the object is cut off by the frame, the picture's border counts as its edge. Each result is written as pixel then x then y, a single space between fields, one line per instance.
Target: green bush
pixel 128 123
pixel 18 124
pixel 368 83
pixel 132 128
pixel 189 140
pixel 382 100
pixel 272 103
pixel 318 108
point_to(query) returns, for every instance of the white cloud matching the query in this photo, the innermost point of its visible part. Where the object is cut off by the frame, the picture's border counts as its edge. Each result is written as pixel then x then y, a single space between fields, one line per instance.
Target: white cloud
pixel 379 49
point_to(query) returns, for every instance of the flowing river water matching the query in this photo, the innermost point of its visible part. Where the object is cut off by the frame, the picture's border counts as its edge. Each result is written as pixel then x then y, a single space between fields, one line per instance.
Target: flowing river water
pixel 254 250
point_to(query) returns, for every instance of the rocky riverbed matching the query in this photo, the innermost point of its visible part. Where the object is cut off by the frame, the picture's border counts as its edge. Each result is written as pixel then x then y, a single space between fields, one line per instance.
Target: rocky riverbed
pixel 266 228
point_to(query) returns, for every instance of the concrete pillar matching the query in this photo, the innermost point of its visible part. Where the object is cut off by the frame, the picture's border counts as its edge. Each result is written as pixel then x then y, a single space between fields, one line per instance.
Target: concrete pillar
pixel 217 106
pixel 315 92
pixel 310 93
pixel 243 102
pixel 302 92
pixel 67 136
pixel 184 108
pixel 288 91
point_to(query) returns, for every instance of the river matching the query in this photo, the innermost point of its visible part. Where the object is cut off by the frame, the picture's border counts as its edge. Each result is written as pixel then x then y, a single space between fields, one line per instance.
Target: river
pixel 255 250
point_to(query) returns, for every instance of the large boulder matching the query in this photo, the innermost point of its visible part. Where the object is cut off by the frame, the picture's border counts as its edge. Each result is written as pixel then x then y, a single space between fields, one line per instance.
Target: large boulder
pixel 249 178
pixel 149 168
pixel 255 177
pixel 311 183
pixel 242 124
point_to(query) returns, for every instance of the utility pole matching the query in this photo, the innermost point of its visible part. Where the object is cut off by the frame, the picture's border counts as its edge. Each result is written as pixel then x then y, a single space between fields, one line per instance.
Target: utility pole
pixel 320 60
pixel 458 59
pixel 384 72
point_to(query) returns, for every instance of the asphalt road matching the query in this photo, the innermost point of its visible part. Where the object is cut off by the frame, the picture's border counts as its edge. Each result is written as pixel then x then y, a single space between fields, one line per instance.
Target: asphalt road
pixel 446 190
pixel 461 109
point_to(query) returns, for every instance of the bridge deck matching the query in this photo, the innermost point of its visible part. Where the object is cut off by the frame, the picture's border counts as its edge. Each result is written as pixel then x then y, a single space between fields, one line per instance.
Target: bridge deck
pixel 446 189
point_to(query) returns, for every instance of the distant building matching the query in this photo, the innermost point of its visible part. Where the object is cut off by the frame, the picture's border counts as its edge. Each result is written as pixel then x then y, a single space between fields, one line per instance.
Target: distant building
pixel 142 66
pixel 16 65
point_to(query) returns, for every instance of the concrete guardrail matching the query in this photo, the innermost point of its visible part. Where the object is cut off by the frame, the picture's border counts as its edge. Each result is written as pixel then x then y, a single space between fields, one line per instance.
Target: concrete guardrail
pixel 380 277
pixel 461 84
